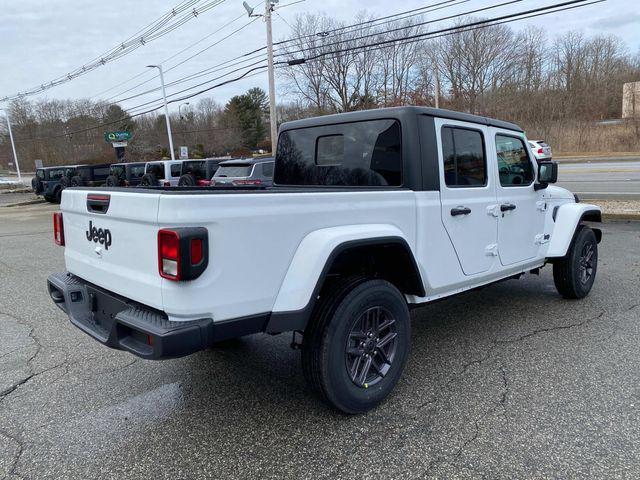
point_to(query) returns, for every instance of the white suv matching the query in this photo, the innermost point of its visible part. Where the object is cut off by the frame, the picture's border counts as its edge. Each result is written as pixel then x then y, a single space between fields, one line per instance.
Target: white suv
pixel 164 173
pixel 541 150
pixel 371 213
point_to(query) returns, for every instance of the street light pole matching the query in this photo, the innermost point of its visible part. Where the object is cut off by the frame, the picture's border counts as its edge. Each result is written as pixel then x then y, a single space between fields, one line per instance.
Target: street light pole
pixel 272 84
pixel 166 109
pixel 13 146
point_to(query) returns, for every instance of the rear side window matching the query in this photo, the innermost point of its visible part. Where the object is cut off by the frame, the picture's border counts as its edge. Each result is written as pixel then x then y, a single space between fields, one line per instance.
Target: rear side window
pixel 367 153
pixel 156 169
pixel 514 166
pixel 137 171
pixel 176 170
pixel 267 169
pixel 56 174
pixel 465 163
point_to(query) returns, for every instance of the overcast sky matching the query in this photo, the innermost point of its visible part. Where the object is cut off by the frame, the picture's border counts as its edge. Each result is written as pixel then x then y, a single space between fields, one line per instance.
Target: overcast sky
pixel 43 39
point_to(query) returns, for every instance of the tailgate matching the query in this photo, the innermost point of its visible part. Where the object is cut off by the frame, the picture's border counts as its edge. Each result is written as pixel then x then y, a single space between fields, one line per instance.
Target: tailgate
pixel 116 250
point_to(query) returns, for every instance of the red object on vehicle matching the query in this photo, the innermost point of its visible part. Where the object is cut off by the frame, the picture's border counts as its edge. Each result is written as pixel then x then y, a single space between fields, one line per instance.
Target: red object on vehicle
pixel 196 251
pixel 257 181
pixel 204 183
pixel 58 229
pixel 169 265
pixel 540 151
pixel 167 184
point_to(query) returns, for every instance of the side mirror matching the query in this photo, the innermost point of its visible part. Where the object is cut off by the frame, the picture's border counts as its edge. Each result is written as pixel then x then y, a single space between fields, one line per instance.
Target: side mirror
pixel 547 173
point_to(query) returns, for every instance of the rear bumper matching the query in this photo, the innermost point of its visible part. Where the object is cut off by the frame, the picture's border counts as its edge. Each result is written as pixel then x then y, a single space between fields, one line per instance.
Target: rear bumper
pixel 122 324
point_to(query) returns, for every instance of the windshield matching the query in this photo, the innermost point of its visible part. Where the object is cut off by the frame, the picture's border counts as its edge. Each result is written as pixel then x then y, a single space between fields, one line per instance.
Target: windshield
pixel 234 171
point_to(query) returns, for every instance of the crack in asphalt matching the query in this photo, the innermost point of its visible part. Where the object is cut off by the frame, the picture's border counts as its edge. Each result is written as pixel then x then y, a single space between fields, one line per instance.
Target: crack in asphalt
pixel 16 458
pixel 502 402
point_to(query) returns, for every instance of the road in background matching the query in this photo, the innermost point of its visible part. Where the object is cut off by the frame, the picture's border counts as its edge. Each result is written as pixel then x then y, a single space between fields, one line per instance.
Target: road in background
pixel 614 180
pixel 510 381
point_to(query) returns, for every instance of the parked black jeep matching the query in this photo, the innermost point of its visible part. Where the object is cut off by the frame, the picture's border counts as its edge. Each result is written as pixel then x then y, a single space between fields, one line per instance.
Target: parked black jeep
pixel 53 180
pixel 199 172
pixel 125 174
pixel 90 175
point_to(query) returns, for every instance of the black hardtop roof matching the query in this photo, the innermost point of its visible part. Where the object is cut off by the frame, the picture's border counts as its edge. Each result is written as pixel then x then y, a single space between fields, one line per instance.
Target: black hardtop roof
pixel 399 113
pixel 208 160
pixel 95 165
pixel 247 161
pixel 128 163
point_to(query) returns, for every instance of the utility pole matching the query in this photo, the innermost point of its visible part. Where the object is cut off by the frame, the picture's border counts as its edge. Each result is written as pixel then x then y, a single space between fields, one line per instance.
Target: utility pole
pixel 166 110
pixel 272 84
pixel 13 146
pixel 268 8
pixel 436 72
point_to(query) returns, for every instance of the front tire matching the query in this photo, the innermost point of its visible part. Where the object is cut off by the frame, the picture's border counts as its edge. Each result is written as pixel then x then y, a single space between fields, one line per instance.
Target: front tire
pixel 357 344
pixel 574 274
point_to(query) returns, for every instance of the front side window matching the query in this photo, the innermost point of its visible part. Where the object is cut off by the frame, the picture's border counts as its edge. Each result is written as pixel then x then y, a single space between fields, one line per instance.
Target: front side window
pixel 366 153
pixel 514 166
pixel 465 164
pixel 118 170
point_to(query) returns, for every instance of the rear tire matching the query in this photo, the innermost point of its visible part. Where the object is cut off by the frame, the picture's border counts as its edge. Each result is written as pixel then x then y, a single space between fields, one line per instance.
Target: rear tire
pixel 36 185
pixel 112 181
pixel 57 195
pixel 574 274
pixel 77 181
pixel 148 180
pixel 356 345
pixel 187 180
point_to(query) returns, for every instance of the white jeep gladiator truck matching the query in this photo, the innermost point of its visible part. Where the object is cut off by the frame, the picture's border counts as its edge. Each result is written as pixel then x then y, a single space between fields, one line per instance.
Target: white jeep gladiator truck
pixel 371 213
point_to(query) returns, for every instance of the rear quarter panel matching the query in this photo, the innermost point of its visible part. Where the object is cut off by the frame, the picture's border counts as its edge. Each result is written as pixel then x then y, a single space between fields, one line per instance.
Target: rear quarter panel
pixel 254 238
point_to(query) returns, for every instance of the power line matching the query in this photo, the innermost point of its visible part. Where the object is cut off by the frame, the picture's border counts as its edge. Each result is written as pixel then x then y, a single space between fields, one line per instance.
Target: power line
pixel 154 89
pixel 403 15
pixel 377 45
pixel 427 22
pixel 426 34
pixel 175 18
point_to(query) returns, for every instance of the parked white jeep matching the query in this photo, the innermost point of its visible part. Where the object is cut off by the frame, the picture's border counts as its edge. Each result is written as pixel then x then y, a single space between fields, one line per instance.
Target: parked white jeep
pixel 163 173
pixel 370 213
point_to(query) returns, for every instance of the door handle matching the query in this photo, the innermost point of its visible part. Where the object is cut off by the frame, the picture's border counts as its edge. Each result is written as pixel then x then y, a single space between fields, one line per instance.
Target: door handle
pixel 505 207
pixel 460 211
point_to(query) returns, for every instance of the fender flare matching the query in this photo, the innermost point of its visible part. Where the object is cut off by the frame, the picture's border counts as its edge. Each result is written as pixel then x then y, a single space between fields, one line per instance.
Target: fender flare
pixel 567 217
pixel 311 262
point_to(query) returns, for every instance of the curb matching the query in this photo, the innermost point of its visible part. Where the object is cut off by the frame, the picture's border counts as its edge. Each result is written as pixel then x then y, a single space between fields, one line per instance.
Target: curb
pixel 17 190
pixel 621 216
pixel 567 160
pixel 21 204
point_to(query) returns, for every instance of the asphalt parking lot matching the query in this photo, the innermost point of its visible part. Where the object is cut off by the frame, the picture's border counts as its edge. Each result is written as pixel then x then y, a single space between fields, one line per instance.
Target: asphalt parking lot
pixel 509 381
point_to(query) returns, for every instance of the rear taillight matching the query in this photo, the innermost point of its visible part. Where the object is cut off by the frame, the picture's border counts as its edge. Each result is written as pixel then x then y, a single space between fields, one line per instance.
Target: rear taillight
pixel 167 184
pixel 182 253
pixel 540 151
pixel 257 181
pixel 169 254
pixel 204 183
pixel 58 229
